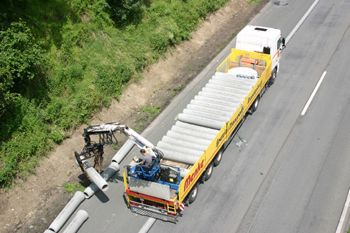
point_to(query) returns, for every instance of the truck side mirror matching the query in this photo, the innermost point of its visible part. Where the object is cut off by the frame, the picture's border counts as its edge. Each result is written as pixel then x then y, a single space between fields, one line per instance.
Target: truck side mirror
pixel 283 42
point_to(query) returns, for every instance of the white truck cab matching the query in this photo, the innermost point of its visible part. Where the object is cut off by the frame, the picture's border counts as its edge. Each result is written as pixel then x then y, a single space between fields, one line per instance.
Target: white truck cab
pixel 262 40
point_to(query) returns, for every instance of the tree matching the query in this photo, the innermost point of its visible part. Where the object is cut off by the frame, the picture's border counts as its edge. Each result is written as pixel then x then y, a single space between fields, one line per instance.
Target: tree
pixel 20 58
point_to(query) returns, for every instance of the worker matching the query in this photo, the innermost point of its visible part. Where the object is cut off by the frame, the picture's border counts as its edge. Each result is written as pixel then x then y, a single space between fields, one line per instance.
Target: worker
pixel 147 159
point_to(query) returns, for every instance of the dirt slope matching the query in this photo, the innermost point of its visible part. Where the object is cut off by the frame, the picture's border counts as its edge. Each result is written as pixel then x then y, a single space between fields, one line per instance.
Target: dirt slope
pixel 32 205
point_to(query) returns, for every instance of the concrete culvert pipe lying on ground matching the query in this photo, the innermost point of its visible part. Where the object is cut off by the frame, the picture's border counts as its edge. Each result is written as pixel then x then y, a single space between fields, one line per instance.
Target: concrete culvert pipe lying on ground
pixel 67 211
pixel 95 176
pixel 76 223
pixel 108 173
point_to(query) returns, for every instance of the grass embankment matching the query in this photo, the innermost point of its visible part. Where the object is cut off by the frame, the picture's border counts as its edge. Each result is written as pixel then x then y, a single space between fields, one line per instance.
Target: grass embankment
pixel 63 60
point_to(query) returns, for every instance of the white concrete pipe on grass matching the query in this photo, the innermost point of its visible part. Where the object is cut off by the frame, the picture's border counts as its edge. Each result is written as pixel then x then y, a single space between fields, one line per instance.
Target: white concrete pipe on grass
pixel 67 211
pixel 95 176
pixel 197 120
pixel 108 173
pixel 76 223
pixel 48 231
pixel 123 151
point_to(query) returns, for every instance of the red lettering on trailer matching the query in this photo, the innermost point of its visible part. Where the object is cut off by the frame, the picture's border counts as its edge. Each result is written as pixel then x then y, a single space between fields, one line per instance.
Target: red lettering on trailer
pixel 192 177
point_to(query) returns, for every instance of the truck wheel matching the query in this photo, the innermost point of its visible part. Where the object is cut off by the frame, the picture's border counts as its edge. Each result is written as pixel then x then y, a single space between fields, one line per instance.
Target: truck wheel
pixel 218 158
pixel 273 77
pixel 193 194
pixel 209 171
pixel 255 104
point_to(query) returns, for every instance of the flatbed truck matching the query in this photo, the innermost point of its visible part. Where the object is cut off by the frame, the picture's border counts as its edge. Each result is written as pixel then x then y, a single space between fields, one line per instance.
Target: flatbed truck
pixel 195 144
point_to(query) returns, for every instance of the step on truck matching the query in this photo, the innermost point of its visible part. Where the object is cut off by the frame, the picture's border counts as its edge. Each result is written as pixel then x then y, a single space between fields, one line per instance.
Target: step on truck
pixel 188 153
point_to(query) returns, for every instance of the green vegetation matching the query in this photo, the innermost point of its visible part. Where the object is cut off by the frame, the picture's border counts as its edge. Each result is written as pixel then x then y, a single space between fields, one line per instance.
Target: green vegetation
pixel 63 60
pixel 71 188
pixel 253 2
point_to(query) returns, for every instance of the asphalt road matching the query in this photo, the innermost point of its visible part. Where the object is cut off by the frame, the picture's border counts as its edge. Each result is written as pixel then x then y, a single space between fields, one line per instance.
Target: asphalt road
pixel 292 175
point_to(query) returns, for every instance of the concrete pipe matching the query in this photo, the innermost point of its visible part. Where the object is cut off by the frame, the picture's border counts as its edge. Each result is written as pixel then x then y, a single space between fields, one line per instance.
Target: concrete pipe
pixel 178 148
pixel 234 79
pixel 214 106
pixel 216 101
pixel 67 211
pixel 234 91
pixel 123 151
pixel 183 171
pixel 179 157
pixel 95 176
pixel 209 110
pixel 76 223
pixel 196 128
pixel 189 138
pixel 233 85
pixel 221 92
pixel 108 173
pixel 206 115
pixel 48 231
pixel 233 99
pixel 188 144
pixel 210 123
pixel 193 133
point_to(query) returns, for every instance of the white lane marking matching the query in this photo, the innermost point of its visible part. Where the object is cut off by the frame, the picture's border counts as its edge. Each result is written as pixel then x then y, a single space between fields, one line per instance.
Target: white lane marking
pixel 291 34
pixel 313 93
pixel 147 226
pixel 343 215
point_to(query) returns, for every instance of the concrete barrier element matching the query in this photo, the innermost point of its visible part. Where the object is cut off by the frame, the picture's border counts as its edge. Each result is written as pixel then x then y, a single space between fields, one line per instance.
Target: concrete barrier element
pixel 108 173
pixel 76 223
pixel 123 151
pixel 67 211
pixel 95 176
pixel 197 120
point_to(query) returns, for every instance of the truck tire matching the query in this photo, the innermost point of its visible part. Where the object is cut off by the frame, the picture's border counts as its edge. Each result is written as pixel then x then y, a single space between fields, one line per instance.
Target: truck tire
pixel 193 194
pixel 218 158
pixel 209 171
pixel 255 105
pixel 273 77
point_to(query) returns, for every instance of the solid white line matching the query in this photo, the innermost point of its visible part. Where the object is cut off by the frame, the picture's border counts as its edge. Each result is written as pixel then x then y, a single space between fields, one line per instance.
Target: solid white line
pixel 291 34
pixel 147 226
pixel 313 93
pixel 343 215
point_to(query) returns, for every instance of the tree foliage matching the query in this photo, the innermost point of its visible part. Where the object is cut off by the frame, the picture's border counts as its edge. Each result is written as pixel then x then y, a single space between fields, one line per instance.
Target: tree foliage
pixel 20 58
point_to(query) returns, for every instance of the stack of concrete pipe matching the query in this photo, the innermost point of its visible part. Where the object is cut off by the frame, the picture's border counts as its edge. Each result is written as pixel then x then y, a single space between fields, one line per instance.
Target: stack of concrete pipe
pixel 206 114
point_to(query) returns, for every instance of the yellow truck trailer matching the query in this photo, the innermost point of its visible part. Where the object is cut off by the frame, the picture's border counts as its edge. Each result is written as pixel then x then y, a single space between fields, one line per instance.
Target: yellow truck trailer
pixel 195 144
